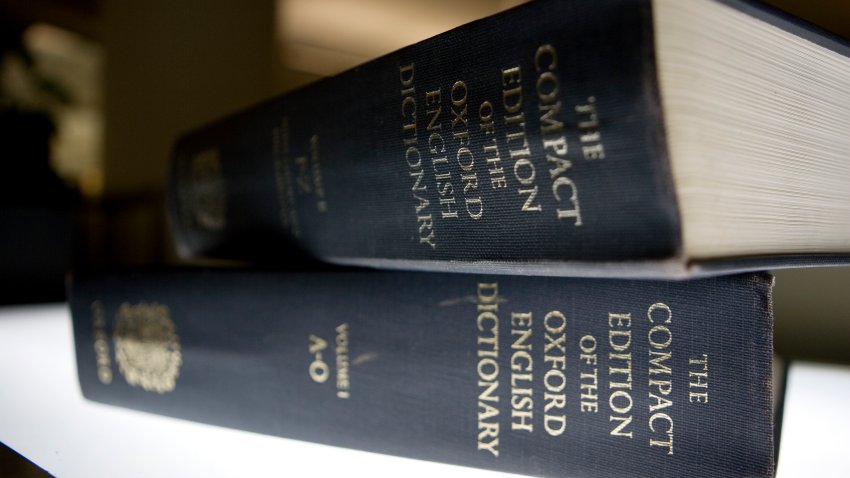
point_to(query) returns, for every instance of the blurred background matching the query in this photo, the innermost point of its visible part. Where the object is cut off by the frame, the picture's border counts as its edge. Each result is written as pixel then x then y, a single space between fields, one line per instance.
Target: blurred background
pixel 94 92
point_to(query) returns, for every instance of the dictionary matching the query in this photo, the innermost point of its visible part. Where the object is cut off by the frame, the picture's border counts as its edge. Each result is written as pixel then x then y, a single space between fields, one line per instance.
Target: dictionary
pixel 620 138
pixel 543 376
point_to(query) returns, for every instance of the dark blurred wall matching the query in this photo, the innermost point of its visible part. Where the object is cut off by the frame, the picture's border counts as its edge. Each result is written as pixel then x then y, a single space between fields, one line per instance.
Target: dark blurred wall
pixel 174 65
pixel 171 66
pixel 832 15
pixel 812 310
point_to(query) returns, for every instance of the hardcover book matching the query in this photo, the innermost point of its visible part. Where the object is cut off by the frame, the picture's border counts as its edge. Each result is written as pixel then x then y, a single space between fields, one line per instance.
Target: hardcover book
pixel 543 376
pixel 614 138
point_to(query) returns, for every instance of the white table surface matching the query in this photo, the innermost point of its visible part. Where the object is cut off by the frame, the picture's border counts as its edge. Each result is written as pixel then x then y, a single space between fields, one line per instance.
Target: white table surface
pixel 44 417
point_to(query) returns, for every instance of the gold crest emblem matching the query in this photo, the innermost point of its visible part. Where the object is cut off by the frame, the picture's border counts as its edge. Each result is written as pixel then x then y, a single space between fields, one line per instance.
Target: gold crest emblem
pixel 147 348
pixel 207 191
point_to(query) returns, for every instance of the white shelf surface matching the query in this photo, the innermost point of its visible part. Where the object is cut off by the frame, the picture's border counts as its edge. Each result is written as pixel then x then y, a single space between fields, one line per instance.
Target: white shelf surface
pixel 816 424
pixel 44 417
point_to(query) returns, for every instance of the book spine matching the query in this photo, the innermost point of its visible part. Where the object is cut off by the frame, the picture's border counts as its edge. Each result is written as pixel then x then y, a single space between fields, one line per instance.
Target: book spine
pixel 540 376
pixel 531 136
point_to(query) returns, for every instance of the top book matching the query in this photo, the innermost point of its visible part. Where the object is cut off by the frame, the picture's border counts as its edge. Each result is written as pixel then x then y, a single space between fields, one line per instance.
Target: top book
pixel 617 138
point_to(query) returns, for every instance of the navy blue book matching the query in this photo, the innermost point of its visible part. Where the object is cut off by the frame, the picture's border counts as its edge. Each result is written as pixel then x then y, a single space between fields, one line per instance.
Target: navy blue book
pixel 544 376
pixel 614 138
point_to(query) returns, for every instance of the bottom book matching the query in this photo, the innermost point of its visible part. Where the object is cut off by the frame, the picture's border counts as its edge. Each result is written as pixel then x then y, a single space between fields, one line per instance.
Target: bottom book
pixel 537 376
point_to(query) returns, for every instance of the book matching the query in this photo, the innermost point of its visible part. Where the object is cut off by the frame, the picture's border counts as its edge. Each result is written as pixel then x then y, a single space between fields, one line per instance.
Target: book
pixel 542 376
pixel 618 138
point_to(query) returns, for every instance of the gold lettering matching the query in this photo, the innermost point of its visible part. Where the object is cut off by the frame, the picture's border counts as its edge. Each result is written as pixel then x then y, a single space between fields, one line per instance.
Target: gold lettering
pixel 656 365
pixel 474 208
pixel 664 387
pixel 559 147
pixel 488 395
pixel 458 94
pixel 512 90
pixel 522 403
pixel 416 163
pixel 660 402
pixel 547 92
pixel 660 337
pixel 575 212
pixel 596 151
pixel 498 179
pixel 488 368
pixel 667 314
pixel 552 133
pixel 488 430
pixel 589 394
pixel 432 101
pixel 524 171
pixel 426 230
pixel 485 116
pixel 620 340
pixel 318 369
pixel 545 58
pixel 408 110
pixel 413 157
pixel 589 134
pixel 529 200
pixel 436 145
pixel 589 380
pixel 620 373
pixel 620 320
pixel 343 383
pixel 624 370
pixel 554 380
pixel 668 431
pixel 465 164
pixel 464 156
pixel 588 349
pixel 662 342
pixel 406 74
pixel 439 160
pixel 560 165
pixel 101 343
pixel 698 379
pixel 555 424
pixel 521 419
pixel 625 405
pixel 622 423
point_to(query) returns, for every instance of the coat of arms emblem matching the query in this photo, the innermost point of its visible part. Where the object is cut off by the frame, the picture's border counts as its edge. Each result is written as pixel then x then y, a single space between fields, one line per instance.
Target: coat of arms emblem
pixel 147 348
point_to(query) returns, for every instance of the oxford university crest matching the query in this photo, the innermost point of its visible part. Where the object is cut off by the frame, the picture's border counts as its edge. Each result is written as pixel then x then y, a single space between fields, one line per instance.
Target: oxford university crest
pixel 147 347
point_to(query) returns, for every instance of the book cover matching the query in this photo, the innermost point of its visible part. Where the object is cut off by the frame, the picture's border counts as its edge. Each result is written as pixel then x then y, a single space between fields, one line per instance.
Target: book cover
pixel 535 375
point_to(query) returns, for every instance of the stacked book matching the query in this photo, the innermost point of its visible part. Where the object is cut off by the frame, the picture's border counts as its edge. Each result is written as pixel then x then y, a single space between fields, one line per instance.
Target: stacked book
pixel 536 245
